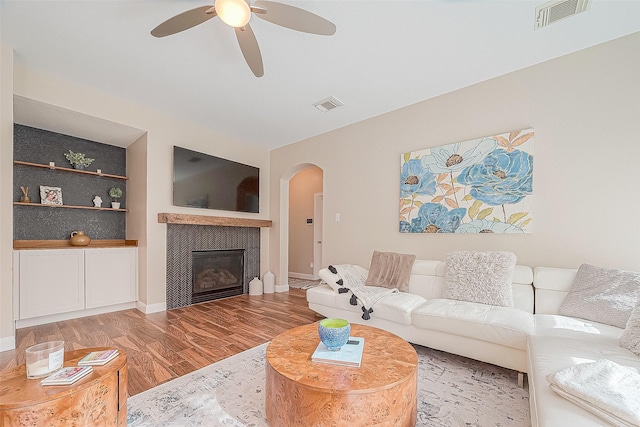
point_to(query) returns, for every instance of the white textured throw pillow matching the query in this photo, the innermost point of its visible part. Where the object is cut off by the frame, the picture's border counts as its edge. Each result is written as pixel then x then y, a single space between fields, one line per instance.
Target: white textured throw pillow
pixel 602 295
pixel 483 277
pixel 630 338
pixel 345 276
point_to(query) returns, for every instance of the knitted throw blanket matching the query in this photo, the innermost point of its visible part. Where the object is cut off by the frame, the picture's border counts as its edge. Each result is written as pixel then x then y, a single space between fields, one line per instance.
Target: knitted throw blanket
pixel 369 296
pixel 603 388
pixel 350 280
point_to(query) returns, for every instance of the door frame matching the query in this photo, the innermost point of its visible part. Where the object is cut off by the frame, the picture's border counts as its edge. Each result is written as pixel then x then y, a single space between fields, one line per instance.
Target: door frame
pixel 318 208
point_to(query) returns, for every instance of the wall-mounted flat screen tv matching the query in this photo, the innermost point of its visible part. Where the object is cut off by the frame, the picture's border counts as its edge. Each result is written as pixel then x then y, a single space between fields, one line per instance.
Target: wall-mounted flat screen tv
pixel 204 181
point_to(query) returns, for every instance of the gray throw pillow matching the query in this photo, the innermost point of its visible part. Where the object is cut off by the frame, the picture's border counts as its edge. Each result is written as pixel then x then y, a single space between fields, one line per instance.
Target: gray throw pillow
pixel 482 277
pixel 630 338
pixel 602 295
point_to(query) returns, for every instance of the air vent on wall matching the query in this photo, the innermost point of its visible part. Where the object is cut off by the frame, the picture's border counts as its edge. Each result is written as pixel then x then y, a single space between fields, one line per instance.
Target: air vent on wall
pixel 555 10
pixel 327 104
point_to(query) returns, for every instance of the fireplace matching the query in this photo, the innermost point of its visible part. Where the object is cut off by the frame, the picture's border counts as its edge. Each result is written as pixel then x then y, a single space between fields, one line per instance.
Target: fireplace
pixel 216 274
pixel 183 240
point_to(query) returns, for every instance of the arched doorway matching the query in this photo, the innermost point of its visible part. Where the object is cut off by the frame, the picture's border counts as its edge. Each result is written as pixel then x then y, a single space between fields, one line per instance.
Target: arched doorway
pixel 301 228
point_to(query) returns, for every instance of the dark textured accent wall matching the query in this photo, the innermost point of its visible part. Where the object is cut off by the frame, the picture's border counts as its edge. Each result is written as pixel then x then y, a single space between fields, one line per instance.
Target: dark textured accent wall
pixel 182 239
pixel 47 223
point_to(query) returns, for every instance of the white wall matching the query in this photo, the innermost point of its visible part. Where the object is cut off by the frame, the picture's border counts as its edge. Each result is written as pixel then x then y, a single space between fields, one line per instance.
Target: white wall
pixel 162 133
pixel 7 340
pixel 585 110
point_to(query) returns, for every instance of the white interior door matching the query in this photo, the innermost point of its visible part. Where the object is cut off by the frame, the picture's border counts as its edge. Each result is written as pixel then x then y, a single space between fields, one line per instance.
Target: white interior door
pixel 317 233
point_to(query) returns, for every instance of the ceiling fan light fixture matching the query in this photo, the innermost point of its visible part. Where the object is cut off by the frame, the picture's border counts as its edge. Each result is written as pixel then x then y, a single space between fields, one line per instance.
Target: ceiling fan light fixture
pixel 235 13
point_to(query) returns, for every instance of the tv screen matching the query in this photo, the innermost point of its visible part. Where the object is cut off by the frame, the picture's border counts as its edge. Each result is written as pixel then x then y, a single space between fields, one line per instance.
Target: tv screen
pixel 204 181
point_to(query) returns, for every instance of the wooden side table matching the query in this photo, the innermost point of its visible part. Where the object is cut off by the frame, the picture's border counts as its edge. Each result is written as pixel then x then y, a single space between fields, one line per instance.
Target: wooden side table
pixel 99 399
pixel 381 392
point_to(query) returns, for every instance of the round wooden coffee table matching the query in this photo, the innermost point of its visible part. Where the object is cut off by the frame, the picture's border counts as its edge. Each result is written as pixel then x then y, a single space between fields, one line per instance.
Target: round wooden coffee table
pixel 99 399
pixel 382 391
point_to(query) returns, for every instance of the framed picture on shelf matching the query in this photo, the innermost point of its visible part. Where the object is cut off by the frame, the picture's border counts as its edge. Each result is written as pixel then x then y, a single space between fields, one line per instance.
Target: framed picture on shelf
pixel 50 195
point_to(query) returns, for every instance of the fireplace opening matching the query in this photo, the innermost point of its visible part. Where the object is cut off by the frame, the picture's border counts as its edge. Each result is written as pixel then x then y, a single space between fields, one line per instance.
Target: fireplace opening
pixel 217 274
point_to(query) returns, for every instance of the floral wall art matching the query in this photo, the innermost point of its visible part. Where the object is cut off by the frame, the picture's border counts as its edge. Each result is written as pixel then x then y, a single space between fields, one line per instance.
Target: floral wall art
pixel 483 185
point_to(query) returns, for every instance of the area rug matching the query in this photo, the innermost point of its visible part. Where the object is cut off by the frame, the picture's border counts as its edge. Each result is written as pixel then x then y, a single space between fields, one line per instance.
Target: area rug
pixel 302 283
pixel 452 391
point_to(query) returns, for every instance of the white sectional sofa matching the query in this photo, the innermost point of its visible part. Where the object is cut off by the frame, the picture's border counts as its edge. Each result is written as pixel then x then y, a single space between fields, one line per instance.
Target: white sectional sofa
pixel 513 337
pixel 496 335
pixel 559 342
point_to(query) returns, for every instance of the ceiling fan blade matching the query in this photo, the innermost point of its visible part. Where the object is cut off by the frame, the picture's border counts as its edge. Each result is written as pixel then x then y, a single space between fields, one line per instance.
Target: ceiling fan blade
pixel 295 18
pixel 250 49
pixel 184 21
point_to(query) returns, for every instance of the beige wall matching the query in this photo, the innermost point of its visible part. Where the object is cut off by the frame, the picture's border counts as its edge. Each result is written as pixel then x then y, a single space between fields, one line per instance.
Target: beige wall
pixel 302 188
pixel 162 133
pixel 6 194
pixel 584 108
pixel 137 197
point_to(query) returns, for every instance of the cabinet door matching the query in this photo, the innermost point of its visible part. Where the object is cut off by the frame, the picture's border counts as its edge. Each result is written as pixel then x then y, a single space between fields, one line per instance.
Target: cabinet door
pixel 51 281
pixel 111 276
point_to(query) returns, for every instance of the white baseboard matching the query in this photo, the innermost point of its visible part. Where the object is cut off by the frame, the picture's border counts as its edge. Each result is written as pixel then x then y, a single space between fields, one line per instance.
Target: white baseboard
pixel 281 288
pixel 303 276
pixel 59 317
pixel 151 308
pixel 7 343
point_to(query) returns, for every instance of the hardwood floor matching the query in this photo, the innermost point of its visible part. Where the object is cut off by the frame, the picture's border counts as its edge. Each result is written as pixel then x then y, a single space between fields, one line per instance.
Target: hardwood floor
pixel 163 346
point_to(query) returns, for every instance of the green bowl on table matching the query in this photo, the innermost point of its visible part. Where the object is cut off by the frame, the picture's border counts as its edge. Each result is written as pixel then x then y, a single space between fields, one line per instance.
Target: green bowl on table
pixel 334 333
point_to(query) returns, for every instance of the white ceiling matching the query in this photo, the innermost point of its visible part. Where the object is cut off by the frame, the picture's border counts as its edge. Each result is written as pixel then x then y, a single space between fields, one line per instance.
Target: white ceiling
pixel 384 55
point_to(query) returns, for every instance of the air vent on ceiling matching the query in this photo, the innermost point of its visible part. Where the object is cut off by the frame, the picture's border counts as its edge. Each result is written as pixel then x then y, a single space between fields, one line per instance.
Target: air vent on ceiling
pixel 555 10
pixel 327 104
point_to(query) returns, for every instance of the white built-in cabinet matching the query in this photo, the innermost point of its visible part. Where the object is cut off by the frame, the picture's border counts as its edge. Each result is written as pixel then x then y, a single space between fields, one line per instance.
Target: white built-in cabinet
pixel 110 276
pixel 51 281
pixel 57 281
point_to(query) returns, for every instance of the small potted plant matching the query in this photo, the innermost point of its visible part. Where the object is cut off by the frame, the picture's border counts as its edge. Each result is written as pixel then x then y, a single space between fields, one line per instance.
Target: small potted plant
pixel 78 160
pixel 115 194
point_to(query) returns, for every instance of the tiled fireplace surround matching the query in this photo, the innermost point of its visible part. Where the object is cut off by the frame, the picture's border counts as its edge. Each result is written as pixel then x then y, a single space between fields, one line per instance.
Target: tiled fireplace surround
pixel 183 238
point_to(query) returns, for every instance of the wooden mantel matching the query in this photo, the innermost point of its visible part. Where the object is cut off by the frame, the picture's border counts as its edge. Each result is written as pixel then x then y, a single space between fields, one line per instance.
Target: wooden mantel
pixel 170 218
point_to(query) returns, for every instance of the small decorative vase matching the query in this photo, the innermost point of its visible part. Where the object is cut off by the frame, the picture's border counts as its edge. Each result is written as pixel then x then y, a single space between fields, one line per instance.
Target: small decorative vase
pixel 255 286
pixel 269 282
pixel 334 333
pixel 25 199
pixel 115 205
pixel 79 167
pixel 78 238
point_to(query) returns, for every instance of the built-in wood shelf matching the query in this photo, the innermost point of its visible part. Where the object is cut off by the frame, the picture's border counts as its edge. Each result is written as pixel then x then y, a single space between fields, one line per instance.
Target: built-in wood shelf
pixel 58 168
pixel 68 206
pixel 66 244
pixel 170 218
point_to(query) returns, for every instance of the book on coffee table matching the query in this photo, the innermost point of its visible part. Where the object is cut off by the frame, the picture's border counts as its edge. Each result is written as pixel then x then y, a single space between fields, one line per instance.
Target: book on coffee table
pixel 68 375
pixel 349 355
pixel 98 357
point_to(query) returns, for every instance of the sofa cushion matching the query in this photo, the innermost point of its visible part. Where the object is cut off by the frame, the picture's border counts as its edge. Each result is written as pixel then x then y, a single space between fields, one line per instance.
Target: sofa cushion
pixel 322 295
pixel 630 338
pixel 482 277
pixel 394 307
pixel 602 295
pixel 571 327
pixel 398 307
pixel 390 270
pixel 501 325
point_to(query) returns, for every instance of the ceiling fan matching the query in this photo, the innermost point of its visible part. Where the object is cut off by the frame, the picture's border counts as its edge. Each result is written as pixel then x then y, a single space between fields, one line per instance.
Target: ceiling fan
pixel 237 13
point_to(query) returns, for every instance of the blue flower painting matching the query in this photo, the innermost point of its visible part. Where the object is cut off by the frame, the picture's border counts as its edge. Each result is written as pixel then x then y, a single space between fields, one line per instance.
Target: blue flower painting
pixel 415 179
pixel 478 186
